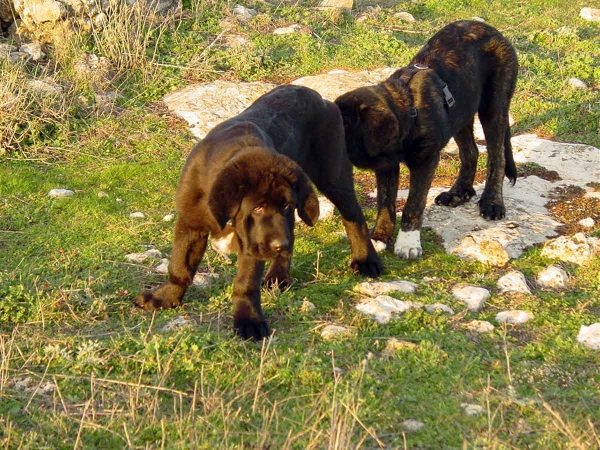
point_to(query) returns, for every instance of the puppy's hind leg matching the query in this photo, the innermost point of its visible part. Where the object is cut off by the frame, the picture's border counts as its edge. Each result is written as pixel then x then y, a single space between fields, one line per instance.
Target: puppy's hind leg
pixel 462 190
pixel 189 245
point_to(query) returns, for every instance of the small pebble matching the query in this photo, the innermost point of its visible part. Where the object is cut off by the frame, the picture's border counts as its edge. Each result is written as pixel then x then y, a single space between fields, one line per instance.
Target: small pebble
pixel 479 326
pixel 552 277
pixel 439 307
pixel 168 217
pixel 163 267
pixel 576 83
pixel 137 215
pixel 307 305
pixel 587 222
pixel 411 426
pixel 393 345
pixel 333 331
pixel 405 16
pixel 379 246
pixel 513 282
pixel 102 194
pixel 385 287
pixel 472 410
pixel 473 296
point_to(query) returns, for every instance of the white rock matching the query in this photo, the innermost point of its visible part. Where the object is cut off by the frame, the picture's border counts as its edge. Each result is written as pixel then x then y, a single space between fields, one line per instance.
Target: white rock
pixel 57 193
pixel 411 426
pixel 376 288
pixel 474 296
pixel 587 222
pixel 590 336
pixel 472 410
pixel 553 277
pixel 338 371
pixel 243 13
pixel 137 215
pixel 163 267
pixel 336 4
pixel 379 246
pixel 177 322
pixel 307 305
pixel 168 217
pixel 478 19
pixel 576 249
pixel 393 345
pixel 590 14
pixel 384 307
pixel 514 316
pixel 439 307
pixel 513 282
pixel 576 83
pixel 294 28
pixel 143 256
pixel 34 50
pixel 326 209
pixel 45 88
pixel 333 331
pixel 204 279
pixel 102 194
pixel 405 16
pixel 479 326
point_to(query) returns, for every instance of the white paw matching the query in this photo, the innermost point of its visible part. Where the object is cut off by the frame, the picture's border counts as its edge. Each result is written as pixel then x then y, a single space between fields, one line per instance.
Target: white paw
pixel 379 246
pixel 408 244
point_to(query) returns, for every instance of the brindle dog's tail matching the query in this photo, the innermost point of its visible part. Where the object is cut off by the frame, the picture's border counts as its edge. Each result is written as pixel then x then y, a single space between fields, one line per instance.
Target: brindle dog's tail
pixel 510 169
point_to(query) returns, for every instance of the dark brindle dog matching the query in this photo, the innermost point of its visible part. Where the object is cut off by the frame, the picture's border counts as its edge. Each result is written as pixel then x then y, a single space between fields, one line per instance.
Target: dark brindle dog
pixel 466 68
pixel 242 183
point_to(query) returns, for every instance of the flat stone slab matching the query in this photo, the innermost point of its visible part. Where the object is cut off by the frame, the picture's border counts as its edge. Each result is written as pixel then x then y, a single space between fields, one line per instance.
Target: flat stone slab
pixel 385 287
pixel 384 307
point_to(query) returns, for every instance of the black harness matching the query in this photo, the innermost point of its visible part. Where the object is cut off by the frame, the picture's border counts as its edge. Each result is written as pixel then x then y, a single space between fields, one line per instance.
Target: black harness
pixel 406 75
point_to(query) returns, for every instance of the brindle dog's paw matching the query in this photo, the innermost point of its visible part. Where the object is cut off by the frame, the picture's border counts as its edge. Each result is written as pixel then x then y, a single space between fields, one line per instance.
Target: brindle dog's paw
pixel 455 198
pixel 248 328
pixel 371 267
pixel 490 210
pixel 152 300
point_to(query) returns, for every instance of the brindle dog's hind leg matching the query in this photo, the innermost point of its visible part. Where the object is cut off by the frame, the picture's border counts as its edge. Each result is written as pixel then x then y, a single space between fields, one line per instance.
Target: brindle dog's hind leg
pixel 189 245
pixel 387 191
pixel 279 269
pixel 462 190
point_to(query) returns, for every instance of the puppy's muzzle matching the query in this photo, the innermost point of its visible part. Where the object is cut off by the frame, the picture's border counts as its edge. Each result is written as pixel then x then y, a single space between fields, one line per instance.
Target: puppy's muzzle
pixel 280 246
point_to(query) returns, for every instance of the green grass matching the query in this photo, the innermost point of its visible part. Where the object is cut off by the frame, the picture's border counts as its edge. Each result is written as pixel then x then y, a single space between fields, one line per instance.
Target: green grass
pixel 118 380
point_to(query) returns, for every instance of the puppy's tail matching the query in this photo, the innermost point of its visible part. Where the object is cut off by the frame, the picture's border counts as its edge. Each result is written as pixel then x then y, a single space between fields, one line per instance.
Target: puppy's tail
pixel 510 169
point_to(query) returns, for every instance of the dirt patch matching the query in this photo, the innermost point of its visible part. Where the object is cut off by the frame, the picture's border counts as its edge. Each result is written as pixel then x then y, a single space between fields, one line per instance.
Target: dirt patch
pixel 569 205
pixel 528 169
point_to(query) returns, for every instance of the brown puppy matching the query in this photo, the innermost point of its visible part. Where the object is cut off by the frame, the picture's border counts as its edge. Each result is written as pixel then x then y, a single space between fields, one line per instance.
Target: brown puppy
pixel 466 68
pixel 242 183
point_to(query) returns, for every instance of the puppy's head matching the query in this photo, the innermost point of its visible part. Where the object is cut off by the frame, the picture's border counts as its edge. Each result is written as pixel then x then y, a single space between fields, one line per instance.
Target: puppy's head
pixel 259 191
pixel 374 122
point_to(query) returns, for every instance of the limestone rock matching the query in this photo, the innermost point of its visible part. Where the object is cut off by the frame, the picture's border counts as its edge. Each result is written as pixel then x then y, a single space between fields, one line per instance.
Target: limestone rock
pixel 204 279
pixel 590 336
pixel 405 16
pixel 485 249
pixel 473 296
pixel 515 316
pixel 513 282
pixel 163 267
pixel 592 14
pixel 376 288
pixel 411 426
pixel 333 331
pixel 290 29
pixel 143 256
pixel 137 215
pixel 176 323
pixel 553 277
pixel 168 217
pixel 577 249
pixel 472 410
pixel 344 5
pixel 576 83
pixel 35 12
pixel 44 87
pixel 384 307
pixel 588 222
pixel 34 50
pixel 439 307
pixel 57 193
pixel 479 326
pixel 243 13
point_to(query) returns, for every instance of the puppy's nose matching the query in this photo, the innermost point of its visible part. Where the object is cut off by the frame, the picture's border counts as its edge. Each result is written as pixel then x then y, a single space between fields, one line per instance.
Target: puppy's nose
pixel 279 245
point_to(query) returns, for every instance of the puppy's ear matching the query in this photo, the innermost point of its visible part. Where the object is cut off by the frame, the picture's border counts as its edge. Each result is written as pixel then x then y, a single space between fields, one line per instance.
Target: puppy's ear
pixel 381 127
pixel 308 203
pixel 227 193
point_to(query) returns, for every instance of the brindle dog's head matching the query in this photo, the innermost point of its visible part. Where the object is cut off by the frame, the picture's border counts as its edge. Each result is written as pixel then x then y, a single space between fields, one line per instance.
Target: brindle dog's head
pixel 259 191
pixel 376 120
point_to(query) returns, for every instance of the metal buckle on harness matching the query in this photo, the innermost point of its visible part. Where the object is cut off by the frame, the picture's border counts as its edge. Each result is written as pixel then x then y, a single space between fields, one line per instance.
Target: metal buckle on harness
pixel 412 112
pixel 448 96
pixel 420 66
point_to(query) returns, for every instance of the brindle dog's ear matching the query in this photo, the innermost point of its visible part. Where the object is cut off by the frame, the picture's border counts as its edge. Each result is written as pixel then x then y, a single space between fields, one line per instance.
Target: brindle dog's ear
pixel 227 193
pixel 308 203
pixel 381 127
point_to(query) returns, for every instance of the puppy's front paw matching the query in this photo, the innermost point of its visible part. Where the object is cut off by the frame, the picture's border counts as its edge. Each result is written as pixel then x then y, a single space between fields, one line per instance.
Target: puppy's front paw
pixel 248 328
pixel 491 210
pixel 371 267
pixel 408 244
pixel 153 300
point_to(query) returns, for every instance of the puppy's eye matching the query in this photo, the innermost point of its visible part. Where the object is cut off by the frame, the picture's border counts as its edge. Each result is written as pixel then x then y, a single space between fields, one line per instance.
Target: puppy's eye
pixel 259 209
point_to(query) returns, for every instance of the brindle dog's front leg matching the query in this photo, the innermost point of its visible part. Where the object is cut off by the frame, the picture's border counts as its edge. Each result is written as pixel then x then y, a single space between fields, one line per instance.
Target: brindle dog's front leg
pixel 189 245
pixel 248 319
pixel 408 242
pixel 387 190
